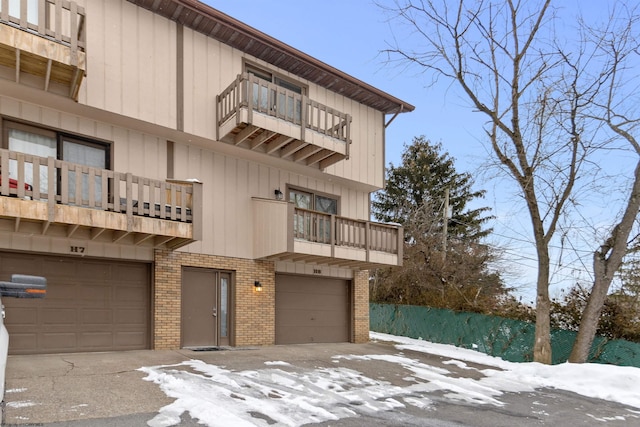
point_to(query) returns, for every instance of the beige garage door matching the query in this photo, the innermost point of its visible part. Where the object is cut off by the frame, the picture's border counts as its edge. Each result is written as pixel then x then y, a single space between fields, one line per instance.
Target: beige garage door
pixel 312 309
pixel 91 305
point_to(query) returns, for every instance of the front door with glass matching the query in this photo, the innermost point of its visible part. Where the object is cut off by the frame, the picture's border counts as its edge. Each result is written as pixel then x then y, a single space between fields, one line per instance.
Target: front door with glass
pixel 205 307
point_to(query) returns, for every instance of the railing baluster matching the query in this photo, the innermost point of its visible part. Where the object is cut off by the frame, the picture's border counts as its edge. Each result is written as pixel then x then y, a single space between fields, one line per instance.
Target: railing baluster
pixel 73 24
pixel 4 172
pixel 117 206
pixel 58 21
pixel 20 165
pixel 162 202
pixel 142 182
pixel 35 170
pixel 183 204
pixel 104 182
pixel 152 199
pixel 42 23
pixel 172 202
pixel 80 173
pixel 92 187
pixel 24 23
pixel 4 13
pixel 64 183
pixel 51 189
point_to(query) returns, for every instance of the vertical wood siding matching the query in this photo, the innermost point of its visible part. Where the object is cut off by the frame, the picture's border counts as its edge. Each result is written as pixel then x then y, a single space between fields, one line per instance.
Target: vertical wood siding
pixel 131 62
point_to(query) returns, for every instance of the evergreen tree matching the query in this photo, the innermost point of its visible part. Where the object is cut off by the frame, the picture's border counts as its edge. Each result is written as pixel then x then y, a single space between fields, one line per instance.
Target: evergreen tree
pixel 459 278
pixel 422 179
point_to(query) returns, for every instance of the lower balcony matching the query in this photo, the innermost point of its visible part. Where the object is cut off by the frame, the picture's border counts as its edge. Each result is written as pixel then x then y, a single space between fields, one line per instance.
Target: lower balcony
pixel 283 232
pixel 50 197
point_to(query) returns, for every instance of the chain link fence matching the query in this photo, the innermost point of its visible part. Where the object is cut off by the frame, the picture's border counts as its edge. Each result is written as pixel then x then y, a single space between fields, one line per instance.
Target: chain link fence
pixel 508 339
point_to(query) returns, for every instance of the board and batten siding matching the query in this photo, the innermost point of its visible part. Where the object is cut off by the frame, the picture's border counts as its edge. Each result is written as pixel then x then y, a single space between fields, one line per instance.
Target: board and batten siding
pixel 131 62
pixel 229 183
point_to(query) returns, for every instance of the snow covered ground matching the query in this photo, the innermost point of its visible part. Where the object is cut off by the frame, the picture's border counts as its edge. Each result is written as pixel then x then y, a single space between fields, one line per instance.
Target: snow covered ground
pixel 280 393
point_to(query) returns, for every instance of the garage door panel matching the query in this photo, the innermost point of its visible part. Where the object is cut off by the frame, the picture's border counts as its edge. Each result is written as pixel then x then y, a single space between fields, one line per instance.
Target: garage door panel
pixel 300 301
pixel 27 341
pixel 62 290
pixel 25 316
pixel 89 271
pixel 126 274
pixel 85 309
pixel 130 296
pixel 130 317
pixel 96 317
pixel 128 340
pixel 63 341
pixel 20 266
pixel 94 294
pixel 96 340
pixel 55 317
pixel 312 309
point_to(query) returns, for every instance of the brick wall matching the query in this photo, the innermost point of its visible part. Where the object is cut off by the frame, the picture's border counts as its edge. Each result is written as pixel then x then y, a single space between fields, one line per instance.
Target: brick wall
pixel 254 311
pixel 360 323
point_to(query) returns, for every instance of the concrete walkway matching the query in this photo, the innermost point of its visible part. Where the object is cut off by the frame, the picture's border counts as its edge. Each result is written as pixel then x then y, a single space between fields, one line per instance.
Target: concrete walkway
pixel 107 389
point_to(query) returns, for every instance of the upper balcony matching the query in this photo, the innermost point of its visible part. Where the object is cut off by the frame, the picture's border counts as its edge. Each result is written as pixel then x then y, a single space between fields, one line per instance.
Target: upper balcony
pixel 42 44
pixel 51 197
pixel 284 232
pixel 262 116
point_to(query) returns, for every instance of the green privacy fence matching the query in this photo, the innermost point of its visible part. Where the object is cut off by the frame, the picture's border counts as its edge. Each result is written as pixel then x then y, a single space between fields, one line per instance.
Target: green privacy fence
pixel 508 339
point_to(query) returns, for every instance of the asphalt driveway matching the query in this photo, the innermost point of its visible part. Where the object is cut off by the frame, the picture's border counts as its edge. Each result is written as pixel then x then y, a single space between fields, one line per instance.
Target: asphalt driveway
pixel 319 384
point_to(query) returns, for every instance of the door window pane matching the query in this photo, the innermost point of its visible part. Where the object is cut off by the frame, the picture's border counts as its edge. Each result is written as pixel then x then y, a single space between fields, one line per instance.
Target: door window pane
pixel 311 226
pixel 326 205
pixel 224 309
pixel 88 155
pixel 300 199
pixel 35 144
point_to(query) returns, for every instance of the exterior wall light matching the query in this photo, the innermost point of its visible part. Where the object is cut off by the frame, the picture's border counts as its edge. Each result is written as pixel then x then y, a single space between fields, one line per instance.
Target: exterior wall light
pixel 257 286
pixel 278 194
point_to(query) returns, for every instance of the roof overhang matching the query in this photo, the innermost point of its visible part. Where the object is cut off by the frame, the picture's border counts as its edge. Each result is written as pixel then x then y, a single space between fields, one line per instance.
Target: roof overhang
pixel 217 25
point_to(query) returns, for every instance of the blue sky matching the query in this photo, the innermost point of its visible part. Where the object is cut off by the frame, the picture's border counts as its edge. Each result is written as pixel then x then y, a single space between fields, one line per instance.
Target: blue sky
pixel 349 35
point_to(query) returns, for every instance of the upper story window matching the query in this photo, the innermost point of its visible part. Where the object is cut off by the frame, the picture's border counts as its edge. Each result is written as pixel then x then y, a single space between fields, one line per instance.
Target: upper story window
pixel 287 102
pixel 270 77
pixel 42 142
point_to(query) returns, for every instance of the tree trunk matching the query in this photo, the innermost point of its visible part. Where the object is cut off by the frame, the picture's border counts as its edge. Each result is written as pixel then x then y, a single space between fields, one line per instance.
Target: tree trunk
pixel 542 343
pixel 606 261
pixel 591 314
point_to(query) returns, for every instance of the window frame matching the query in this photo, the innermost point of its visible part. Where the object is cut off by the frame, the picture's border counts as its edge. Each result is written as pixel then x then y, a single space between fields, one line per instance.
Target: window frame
pixel 59 135
pixel 275 78
pixel 314 193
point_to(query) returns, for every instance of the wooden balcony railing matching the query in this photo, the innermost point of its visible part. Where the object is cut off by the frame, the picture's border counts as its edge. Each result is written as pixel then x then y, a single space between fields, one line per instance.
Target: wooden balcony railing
pixel 268 98
pixel 57 53
pixel 319 227
pixel 308 122
pixel 68 184
pixel 283 232
pixel 58 20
